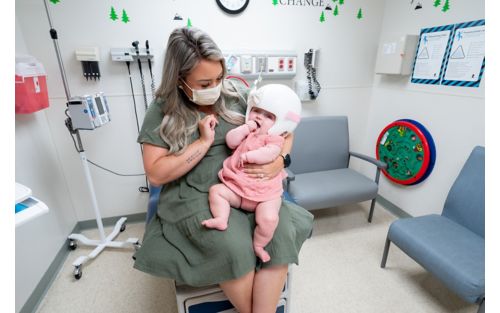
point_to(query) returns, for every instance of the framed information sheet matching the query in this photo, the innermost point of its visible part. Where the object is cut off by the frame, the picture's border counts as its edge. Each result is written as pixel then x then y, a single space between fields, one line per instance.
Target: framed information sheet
pixel 431 54
pixel 465 64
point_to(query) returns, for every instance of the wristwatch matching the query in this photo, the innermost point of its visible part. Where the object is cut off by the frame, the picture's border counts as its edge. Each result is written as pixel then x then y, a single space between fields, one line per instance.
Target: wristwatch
pixel 286 160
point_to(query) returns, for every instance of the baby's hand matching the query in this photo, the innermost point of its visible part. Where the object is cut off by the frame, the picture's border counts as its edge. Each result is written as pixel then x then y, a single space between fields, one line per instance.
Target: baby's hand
pixel 252 125
pixel 243 159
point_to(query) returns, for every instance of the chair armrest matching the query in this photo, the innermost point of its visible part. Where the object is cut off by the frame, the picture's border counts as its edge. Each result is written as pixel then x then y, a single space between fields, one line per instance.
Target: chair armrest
pixel 289 178
pixel 377 163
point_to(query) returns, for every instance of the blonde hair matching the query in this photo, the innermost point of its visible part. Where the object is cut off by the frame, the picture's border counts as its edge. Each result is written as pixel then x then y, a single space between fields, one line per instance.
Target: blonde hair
pixel 185 48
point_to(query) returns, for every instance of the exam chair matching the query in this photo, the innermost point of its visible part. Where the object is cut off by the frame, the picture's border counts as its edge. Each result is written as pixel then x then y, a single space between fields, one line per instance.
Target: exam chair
pixel 209 299
pixel 319 175
pixel 451 245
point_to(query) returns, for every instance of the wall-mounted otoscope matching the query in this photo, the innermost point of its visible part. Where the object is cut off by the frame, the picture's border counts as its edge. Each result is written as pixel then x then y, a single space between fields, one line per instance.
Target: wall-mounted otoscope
pixel 135 44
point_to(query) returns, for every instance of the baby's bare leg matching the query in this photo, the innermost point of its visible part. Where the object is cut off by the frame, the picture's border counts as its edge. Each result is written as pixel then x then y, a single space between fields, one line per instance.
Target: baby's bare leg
pixel 221 198
pixel 266 217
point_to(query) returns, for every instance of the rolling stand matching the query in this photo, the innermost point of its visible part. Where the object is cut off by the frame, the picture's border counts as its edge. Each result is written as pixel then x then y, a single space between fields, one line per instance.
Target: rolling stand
pixel 99 111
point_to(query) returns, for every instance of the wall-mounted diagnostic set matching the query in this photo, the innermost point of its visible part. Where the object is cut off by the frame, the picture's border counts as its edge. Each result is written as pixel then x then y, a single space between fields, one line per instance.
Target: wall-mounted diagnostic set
pixel 128 55
pixel 131 54
pixel 271 65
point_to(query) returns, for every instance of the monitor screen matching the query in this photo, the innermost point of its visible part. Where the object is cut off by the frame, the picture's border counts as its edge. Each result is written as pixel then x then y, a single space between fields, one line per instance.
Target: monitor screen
pixel 99 105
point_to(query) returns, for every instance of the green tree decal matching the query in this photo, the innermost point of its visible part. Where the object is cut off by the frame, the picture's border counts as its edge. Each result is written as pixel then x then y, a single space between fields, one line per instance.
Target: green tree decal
pixel 55 1
pixel 437 3
pixel 112 15
pixel 189 23
pixel 125 18
pixel 446 6
pixel 322 17
pixel 336 11
pixel 334 1
pixel 360 14
pixel 275 2
pixel 341 2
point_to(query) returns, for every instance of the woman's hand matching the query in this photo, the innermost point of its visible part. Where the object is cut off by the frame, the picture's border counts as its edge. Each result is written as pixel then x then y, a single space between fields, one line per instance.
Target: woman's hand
pixel 271 169
pixel 265 171
pixel 207 129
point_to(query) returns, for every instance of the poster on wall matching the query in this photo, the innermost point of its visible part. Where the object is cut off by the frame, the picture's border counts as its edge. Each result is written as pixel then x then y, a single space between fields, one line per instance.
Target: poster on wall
pixel 465 64
pixel 430 58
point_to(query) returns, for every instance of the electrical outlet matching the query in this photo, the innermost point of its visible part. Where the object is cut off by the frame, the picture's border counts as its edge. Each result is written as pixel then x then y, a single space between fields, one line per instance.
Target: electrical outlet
pixel 246 65
pixel 261 64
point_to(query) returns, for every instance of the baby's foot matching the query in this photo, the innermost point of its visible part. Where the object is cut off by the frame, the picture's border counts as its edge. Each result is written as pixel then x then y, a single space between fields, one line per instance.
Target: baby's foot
pixel 262 254
pixel 217 223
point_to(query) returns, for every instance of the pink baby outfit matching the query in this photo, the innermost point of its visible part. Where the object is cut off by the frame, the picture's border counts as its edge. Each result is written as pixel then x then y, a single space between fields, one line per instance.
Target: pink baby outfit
pixel 232 174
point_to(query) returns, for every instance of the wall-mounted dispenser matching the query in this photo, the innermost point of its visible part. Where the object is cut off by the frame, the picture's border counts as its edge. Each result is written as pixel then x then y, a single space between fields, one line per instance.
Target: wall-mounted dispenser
pixel 396 54
pixel 89 56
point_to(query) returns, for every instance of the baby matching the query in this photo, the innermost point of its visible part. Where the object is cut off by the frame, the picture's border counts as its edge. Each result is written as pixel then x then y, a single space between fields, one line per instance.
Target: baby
pixel 273 112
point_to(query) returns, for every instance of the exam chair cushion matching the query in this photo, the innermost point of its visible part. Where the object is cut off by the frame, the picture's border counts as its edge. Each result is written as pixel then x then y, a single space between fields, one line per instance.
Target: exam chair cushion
pixel 343 186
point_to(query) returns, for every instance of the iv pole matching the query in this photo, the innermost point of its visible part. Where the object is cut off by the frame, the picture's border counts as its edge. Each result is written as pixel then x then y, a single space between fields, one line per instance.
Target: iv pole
pixel 120 225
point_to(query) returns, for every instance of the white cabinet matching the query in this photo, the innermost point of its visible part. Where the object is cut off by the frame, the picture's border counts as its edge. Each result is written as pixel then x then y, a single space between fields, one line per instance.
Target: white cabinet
pixel 396 55
pixel 27 207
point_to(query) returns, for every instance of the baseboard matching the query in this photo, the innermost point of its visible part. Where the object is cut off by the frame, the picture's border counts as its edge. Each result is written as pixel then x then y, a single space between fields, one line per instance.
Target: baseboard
pixel 391 207
pixel 43 286
pixel 110 221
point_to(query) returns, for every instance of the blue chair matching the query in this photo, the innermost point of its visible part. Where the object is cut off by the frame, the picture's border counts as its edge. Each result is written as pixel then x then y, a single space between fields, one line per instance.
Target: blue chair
pixel 451 245
pixel 319 176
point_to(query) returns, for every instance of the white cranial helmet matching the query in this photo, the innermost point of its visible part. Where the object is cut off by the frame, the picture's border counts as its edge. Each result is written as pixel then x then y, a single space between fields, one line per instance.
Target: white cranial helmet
pixel 280 100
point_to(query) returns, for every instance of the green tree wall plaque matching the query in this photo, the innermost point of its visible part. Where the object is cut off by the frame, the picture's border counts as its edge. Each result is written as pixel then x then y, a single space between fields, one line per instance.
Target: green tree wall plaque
pixel 112 15
pixel 446 6
pixel 125 18
pixel 360 14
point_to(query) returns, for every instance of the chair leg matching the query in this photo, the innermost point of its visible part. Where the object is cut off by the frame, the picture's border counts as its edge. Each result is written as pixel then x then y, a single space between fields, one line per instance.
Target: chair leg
pixel 386 252
pixel 481 306
pixel 372 208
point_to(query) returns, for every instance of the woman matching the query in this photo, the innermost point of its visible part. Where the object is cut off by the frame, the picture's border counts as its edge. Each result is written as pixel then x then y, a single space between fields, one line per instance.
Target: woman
pixel 183 137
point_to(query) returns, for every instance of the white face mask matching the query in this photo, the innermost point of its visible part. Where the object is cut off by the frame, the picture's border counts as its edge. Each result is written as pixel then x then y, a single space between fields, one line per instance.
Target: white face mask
pixel 205 96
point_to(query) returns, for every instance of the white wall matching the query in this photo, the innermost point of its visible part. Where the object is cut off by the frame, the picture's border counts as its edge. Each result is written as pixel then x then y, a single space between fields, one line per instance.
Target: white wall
pixel 348 48
pixel 455 116
pixel 38 166
pixel 48 163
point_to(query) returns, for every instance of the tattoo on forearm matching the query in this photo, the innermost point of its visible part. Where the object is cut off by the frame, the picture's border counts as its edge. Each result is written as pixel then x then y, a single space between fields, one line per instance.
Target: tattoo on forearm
pixel 191 158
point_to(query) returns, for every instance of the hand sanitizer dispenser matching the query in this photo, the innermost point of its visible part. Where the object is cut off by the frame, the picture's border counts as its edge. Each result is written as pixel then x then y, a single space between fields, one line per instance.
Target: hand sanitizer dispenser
pixel 396 54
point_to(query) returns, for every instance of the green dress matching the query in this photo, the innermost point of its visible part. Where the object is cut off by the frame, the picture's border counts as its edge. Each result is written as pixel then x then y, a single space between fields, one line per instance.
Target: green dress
pixel 177 246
